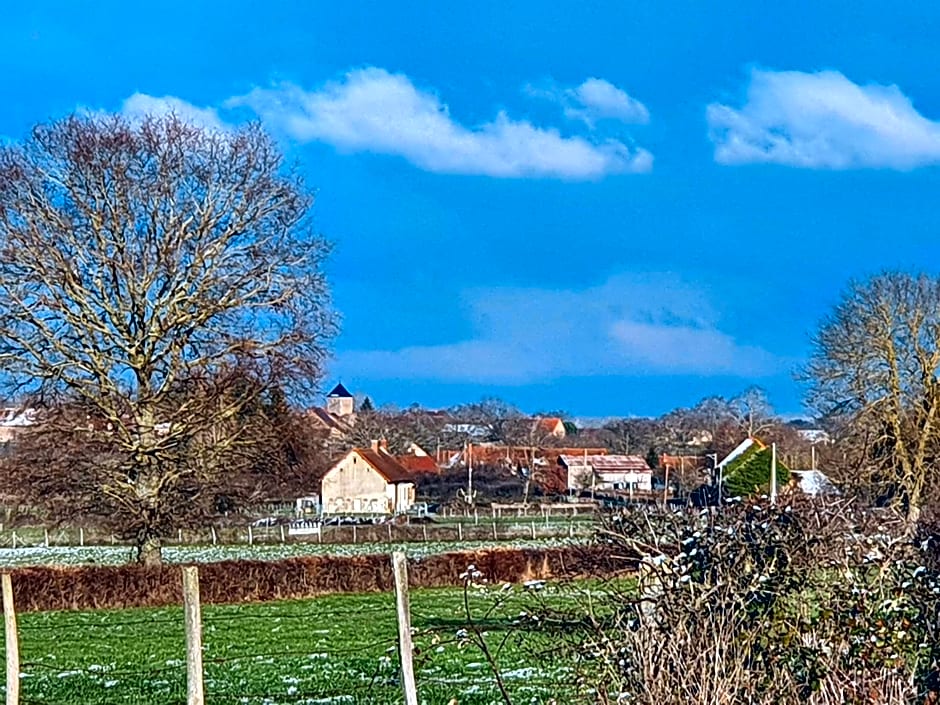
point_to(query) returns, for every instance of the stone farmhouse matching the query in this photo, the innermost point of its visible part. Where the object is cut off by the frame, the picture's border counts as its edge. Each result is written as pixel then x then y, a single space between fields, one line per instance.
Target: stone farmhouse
pixel 367 481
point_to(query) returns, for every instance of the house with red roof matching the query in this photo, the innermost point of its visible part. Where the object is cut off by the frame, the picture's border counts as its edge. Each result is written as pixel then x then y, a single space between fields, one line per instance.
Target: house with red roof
pixel 417 461
pixel 367 481
pixel 550 426
pixel 607 472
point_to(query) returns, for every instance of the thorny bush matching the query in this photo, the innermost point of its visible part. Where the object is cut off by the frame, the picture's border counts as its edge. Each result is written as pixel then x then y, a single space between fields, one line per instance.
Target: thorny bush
pixel 754 603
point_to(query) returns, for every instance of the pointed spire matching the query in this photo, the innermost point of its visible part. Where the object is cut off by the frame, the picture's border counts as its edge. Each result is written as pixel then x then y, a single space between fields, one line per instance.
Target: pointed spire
pixel 340 391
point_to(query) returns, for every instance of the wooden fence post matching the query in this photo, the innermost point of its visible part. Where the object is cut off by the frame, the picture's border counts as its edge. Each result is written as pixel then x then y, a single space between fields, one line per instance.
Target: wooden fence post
pixel 283 537
pixel 495 537
pixel 251 538
pixel 81 536
pixel 193 616
pixel 389 527
pixel 214 537
pixel 425 531
pixel 354 533
pixel 460 531
pixel 12 642
pixel 405 648
pixel 45 536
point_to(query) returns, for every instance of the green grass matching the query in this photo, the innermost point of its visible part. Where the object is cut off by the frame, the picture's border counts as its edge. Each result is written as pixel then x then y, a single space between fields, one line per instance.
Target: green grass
pixel 334 649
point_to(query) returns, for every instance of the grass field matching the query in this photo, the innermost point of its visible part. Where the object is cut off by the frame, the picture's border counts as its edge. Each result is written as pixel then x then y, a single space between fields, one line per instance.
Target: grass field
pixel 335 649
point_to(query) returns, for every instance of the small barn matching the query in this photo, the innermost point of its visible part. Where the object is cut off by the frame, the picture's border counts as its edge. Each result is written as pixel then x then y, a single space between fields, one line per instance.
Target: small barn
pixel 367 481
pixel 607 472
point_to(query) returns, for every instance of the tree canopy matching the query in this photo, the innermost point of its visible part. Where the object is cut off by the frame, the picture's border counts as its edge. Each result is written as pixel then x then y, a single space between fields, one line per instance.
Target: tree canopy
pixel 874 370
pixel 156 280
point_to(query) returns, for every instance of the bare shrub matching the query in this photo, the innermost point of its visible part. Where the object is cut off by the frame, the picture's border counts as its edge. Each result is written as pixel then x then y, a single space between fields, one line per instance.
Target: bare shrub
pixel 763 604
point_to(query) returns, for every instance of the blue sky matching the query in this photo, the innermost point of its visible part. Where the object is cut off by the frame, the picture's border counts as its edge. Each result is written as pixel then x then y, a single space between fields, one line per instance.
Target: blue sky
pixel 612 210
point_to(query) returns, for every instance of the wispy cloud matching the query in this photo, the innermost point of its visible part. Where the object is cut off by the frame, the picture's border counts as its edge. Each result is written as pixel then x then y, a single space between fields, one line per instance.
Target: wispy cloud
pixel 822 120
pixel 597 99
pixel 651 324
pixel 140 105
pixel 593 100
pixel 373 110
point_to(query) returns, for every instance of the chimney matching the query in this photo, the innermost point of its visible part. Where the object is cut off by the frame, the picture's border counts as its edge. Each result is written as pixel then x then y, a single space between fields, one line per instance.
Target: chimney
pixel 375 446
pixel 380 446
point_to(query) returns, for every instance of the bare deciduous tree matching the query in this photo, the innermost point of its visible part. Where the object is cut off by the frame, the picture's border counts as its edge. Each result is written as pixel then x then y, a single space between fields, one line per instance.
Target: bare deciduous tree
pixel 159 278
pixel 875 364
pixel 754 411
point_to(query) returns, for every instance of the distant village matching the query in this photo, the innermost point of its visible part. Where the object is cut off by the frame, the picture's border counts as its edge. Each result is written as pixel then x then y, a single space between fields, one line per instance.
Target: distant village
pixel 388 462
pixel 392 461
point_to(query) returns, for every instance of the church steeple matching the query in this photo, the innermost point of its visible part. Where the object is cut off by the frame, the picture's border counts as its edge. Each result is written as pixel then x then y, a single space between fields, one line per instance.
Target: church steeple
pixel 340 402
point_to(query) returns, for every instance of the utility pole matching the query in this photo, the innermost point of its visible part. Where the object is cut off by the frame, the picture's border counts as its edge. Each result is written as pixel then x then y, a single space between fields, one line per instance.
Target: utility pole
pixel 714 457
pixel 773 474
pixel 470 472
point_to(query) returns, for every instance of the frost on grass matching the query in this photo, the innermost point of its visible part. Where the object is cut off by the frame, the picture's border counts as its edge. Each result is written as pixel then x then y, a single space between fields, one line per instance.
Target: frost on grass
pixel 118 555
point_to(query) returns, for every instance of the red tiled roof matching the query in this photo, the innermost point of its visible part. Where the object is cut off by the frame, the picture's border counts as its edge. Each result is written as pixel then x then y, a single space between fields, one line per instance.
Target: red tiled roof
pixel 607 463
pixel 419 463
pixel 386 465
pixel 326 419
pixel 549 424
pixel 620 463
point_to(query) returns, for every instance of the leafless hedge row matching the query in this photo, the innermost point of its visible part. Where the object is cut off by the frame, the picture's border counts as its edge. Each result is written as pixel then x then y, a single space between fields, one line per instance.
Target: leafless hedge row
pixel 766 604
pixel 97 587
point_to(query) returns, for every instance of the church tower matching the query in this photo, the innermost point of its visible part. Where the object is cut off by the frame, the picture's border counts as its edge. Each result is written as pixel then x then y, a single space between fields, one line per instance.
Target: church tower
pixel 340 402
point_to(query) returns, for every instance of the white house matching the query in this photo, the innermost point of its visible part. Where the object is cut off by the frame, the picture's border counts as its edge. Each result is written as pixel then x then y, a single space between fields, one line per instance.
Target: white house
pixel 814 483
pixel 814 435
pixel 607 472
pixel 14 419
pixel 367 481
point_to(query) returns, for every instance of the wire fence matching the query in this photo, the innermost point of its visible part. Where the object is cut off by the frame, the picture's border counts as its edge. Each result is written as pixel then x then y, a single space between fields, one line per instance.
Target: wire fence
pixel 451 530
pixel 337 649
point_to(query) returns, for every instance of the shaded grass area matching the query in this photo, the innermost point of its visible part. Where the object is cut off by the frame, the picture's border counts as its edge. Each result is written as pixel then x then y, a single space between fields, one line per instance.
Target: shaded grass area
pixel 332 649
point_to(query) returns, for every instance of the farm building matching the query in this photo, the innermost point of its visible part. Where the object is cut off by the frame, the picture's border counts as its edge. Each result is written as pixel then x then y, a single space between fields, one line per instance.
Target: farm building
pixel 13 420
pixel 417 460
pixel 607 472
pixel 367 481
pixel 549 426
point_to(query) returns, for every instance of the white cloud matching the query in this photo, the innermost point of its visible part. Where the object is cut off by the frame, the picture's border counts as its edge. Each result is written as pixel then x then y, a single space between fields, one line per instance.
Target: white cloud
pixel 822 121
pixel 372 110
pixel 629 325
pixel 141 105
pixel 597 99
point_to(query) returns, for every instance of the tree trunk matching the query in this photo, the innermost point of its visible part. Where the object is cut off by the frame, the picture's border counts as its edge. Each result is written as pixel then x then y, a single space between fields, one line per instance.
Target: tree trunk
pixel 149 551
pixel 912 518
